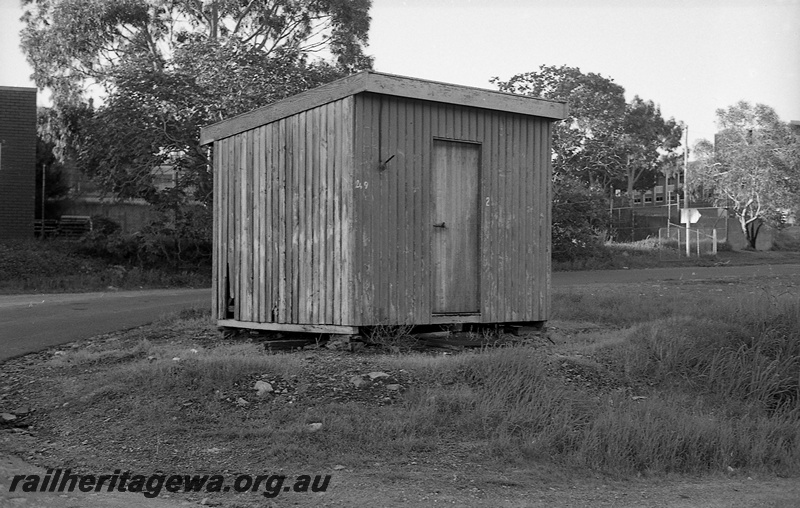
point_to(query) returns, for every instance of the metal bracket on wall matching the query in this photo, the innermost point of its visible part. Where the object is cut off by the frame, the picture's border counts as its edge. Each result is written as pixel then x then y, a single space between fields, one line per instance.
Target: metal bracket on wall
pixel 384 165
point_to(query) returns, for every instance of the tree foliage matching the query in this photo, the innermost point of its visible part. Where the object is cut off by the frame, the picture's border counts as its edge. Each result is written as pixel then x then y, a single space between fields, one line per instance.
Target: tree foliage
pixel 649 143
pixel 51 169
pixel 753 168
pixel 580 220
pixel 163 68
pixel 584 143
pixel 604 142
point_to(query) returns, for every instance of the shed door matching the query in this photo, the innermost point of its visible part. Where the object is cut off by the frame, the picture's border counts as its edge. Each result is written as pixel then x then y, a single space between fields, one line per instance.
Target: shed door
pixel 455 213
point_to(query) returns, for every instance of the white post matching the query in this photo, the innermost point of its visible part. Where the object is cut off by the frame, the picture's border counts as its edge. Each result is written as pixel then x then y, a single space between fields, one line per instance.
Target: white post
pixel 714 239
pixel 698 243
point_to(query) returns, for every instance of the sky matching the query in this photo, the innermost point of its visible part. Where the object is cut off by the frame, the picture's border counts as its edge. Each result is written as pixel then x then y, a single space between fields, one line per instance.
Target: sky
pixel 689 56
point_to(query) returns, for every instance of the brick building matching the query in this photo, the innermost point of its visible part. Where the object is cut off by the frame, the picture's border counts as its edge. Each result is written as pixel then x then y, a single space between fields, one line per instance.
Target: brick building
pixel 17 161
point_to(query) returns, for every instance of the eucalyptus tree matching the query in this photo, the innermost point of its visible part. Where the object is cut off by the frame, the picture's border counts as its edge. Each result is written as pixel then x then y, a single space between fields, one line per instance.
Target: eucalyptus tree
pixel 753 168
pixel 605 141
pixel 133 80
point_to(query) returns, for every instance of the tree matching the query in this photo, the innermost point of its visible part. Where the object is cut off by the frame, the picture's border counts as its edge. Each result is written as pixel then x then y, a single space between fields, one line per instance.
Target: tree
pixel 649 143
pixel 163 68
pixel 604 142
pixel 753 168
pixel 51 169
pixel 584 143
pixel 580 220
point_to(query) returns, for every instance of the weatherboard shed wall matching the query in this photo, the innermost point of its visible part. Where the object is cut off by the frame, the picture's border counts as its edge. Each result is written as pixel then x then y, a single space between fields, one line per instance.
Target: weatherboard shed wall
pixel 379 199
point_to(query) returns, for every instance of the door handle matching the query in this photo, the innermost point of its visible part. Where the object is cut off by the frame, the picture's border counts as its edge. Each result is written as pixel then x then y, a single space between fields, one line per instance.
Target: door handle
pixel 440 225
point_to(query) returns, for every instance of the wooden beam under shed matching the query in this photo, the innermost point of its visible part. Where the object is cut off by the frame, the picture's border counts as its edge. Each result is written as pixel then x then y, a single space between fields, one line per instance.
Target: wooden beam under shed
pixel 286 327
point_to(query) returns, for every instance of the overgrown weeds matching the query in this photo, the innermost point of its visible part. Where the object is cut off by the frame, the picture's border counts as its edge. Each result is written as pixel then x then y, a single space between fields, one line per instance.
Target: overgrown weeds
pixel 56 265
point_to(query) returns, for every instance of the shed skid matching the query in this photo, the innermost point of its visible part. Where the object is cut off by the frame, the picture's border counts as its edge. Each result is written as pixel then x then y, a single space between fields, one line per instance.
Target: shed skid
pixel 287 327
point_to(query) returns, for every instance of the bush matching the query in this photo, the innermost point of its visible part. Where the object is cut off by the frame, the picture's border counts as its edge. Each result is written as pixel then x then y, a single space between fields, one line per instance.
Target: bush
pixel 580 221
pixel 104 226
pixel 182 242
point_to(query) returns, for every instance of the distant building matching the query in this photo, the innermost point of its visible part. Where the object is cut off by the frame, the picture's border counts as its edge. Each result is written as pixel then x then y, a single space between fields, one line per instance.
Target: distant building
pixel 657 210
pixel 85 198
pixel 17 161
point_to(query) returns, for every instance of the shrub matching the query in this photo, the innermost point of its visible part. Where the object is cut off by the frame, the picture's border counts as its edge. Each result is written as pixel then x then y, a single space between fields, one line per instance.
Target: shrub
pixel 178 240
pixel 103 226
pixel 580 221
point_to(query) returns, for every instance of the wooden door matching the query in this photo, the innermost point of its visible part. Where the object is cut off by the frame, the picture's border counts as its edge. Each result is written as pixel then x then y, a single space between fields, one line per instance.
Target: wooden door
pixel 455 227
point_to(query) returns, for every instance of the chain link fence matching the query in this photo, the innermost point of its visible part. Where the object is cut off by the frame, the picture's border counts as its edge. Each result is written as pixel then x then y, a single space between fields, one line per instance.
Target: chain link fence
pixel 695 242
pixel 631 224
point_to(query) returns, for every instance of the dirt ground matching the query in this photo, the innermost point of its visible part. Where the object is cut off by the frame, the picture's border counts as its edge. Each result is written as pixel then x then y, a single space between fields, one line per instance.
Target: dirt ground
pixel 450 479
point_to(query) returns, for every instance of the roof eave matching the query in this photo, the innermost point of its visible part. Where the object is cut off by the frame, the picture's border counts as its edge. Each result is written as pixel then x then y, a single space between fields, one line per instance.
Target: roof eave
pixel 386 84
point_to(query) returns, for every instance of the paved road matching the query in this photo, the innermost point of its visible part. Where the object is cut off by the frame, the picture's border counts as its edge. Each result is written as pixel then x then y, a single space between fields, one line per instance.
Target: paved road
pixel 30 323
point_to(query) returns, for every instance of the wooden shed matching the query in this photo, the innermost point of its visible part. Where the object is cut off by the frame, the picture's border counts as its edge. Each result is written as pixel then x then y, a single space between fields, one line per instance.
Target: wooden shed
pixel 383 200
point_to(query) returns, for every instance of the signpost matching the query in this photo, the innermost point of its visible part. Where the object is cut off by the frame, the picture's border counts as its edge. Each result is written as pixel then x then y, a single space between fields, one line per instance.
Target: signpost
pixel 690 215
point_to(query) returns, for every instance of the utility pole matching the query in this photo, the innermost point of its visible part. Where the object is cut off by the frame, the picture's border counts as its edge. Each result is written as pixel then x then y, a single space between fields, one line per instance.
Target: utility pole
pixel 686 191
pixel 669 201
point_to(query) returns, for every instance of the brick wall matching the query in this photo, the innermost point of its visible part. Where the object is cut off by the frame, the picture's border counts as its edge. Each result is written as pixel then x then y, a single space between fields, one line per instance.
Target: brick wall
pixel 17 161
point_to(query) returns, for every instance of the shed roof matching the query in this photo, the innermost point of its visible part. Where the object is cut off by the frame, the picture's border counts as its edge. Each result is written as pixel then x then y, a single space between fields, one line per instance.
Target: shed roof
pixel 386 84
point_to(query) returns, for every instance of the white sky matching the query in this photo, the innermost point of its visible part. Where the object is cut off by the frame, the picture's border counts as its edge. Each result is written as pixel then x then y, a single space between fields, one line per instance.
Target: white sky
pixel 689 56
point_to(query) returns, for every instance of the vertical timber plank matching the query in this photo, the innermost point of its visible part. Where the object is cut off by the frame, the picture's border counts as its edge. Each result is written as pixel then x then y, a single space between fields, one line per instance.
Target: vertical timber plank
pixel 273 223
pixel 418 218
pixel 247 248
pixel 528 260
pixel 264 279
pixel 238 225
pixel 314 215
pixel 326 157
pixel 302 198
pixel 215 257
pixel 545 226
pixel 230 231
pixel 485 205
pixel 295 146
pixel 347 240
pixel 497 210
pixel 283 259
pixel 428 112
pixel 217 235
pixel 336 120
pixel 257 242
pixel 517 275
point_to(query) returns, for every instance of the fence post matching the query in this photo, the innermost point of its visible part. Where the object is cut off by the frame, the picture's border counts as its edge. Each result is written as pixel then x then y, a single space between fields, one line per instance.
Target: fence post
pixel 698 242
